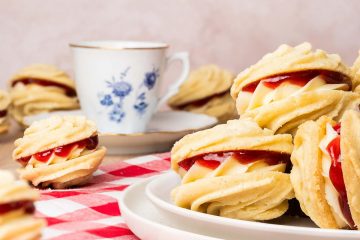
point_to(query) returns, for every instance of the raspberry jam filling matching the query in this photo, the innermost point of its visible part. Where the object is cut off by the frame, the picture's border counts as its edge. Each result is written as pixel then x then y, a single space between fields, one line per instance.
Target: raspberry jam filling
pixel 27 205
pixel 336 176
pixel 299 79
pixel 203 101
pixel 3 113
pixel 213 160
pixel 68 90
pixel 62 151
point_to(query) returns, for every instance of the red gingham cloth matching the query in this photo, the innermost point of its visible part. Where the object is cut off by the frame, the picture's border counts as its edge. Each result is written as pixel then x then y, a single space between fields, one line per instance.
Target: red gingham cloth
pixel 92 211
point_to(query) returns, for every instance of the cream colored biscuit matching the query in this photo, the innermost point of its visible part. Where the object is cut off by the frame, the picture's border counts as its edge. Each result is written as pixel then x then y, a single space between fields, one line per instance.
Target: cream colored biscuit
pixel 222 107
pixel 18 223
pixel 232 136
pixel 306 174
pixel 249 196
pixel 53 132
pixel 356 73
pixel 350 153
pixel 75 167
pixel 13 191
pixel 288 59
pixel 44 72
pixel 4 100
pixel 74 172
pixel 204 82
pixel 282 104
pixel 4 104
pixel 285 115
pixel 311 176
pixel 33 99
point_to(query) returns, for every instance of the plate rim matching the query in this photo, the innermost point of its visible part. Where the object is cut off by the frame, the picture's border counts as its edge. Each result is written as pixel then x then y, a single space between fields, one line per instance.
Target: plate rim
pixel 259 226
pixel 125 210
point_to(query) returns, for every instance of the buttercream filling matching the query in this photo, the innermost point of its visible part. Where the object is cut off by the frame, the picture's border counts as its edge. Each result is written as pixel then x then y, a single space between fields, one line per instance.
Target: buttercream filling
pixel 61 153
pixel 26 205
pixel 46 83
pixel 335 190
pixel 213 160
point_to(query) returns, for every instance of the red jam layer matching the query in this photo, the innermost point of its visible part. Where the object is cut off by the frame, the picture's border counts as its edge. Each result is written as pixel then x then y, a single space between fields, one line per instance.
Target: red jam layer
pixel 27 205
pixel 3 113
pixel 62 151
pixel 298 78
pixel 336 176
pixel 203 101
pixel 68 90
pixel 213 160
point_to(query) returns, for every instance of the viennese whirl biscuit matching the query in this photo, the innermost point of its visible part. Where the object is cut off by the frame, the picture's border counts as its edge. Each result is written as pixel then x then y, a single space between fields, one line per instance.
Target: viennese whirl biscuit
pixel 326 170
pixel 17 209
pixel 234 170
pixel 4 104
pixel 59 152
pixel 293 85
pixel 41 88
pixel 207 91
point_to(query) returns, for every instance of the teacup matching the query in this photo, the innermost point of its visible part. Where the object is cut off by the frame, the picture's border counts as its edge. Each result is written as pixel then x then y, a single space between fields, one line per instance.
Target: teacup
pixel 118 82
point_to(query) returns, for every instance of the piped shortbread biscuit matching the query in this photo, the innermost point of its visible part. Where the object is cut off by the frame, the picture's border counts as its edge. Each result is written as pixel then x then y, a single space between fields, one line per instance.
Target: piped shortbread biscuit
pixel 41 88
pixel 235 160
pixel 326 170
pixel 207 91
pixel 17 209
pixel 59 152
pixel 293 85
pixel 4 104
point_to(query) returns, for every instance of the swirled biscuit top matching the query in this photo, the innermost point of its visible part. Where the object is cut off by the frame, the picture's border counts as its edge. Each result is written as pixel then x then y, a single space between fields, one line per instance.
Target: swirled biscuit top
pixel 4 100
pixel 12 190
pixel 44 72
pixel 234 135
pixel 53 132
pixel 288 59
pixel 204 82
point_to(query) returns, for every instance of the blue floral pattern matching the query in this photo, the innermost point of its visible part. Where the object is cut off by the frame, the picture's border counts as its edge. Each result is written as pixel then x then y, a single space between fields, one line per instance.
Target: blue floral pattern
pixel 148 83
pixel 120 89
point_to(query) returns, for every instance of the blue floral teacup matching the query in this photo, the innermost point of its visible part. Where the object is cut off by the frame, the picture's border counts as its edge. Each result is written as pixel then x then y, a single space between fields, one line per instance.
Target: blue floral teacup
pixel 118 82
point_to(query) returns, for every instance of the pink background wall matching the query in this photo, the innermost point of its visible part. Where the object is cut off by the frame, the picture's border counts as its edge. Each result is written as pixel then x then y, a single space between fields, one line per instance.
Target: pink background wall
pixel 231 33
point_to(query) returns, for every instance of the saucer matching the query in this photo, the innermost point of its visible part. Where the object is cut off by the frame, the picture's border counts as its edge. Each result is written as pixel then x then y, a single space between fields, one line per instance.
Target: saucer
pixel 164 129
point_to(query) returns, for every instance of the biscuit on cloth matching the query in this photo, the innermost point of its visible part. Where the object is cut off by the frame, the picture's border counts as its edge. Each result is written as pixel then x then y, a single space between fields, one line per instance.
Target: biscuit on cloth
pixel 17 209
pixel 41 88
pixel 207 91
pixel 4 104
pixel 59 152
pixel 292 85
pixel 326 170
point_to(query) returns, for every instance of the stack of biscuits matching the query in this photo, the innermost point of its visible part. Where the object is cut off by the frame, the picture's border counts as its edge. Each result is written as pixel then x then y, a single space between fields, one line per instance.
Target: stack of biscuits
pixel 296 137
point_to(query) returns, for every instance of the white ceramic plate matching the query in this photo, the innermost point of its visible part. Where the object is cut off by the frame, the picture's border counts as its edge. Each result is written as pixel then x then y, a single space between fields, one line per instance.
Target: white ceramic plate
pixel 145 221
pixel 285 228
pixel 164 129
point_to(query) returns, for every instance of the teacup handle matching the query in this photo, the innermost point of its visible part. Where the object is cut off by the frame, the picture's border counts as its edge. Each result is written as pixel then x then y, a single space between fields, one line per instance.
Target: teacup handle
pixel 174 88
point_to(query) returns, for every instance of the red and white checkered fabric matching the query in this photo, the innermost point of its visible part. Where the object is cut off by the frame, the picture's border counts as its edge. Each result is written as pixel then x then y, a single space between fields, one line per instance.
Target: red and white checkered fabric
pixel 92 211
